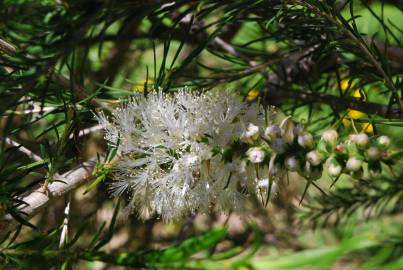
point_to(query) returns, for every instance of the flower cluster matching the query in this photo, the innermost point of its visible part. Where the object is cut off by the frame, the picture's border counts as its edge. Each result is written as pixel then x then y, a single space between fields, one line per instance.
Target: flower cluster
pixel 190 151
pixel 175 152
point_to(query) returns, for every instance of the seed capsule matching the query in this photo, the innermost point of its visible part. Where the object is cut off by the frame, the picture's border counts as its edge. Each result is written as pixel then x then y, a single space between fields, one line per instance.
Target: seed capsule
pixel 353 164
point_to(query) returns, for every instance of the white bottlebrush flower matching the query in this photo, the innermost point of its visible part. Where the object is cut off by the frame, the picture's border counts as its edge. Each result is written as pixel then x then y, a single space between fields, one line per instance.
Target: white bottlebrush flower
pixel 166 144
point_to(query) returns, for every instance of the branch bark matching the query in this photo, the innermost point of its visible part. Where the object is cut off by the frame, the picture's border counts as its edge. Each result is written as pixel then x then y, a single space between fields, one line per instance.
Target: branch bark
pixel 36 200
pixel 274 97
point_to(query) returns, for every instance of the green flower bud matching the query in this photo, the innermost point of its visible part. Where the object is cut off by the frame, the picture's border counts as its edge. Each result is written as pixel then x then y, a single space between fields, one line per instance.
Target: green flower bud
pixel 299 129
pixel 333 167
pixel 314 157
pixel 353 164
pixel 373 153
pixel 330 136
pixel 360 139
pixel 305 140
pixel 340 148
pixel 383 141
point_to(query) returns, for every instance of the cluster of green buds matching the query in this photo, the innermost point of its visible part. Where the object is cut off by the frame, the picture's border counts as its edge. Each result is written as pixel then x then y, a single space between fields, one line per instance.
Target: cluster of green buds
pixel 350 155
pixel 288 147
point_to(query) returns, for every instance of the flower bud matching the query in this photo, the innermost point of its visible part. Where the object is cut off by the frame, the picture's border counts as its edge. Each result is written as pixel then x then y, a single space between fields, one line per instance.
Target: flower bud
pixel 312 173
pixel 385 155
pixel 250 134
pixel 373 153
pixel 305 140
pixel 278 146
pixel 255 154
pixel 314 157
pixel 353 164
pixel 360 139
pixel 333 167
pixel 330 136
pixel 383 141
pixel 340 148
pixel 291 163
pixel 299 129
pixel 272 132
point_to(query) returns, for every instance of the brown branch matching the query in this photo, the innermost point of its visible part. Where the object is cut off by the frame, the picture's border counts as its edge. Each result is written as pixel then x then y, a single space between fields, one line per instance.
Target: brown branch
pixel 337 103
pixel 36 200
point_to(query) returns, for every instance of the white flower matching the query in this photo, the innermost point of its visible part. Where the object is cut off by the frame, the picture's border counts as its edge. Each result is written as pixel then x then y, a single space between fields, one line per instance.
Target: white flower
pixel 166 143
pixel 255 154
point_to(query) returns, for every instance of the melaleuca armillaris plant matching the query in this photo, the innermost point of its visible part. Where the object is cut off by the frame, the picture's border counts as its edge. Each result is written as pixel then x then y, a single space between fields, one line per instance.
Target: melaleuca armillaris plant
pixel 187 151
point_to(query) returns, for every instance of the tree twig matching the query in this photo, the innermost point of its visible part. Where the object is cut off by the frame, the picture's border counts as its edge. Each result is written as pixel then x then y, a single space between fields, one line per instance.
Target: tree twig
pixel 36 200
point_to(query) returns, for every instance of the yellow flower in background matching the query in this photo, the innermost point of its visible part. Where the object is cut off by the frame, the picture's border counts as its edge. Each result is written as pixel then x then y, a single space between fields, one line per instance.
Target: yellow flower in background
pixel 139 86
pixel 367 127
pixel 354 114
pixel 359 94
pixel 252 94
pixel 346 84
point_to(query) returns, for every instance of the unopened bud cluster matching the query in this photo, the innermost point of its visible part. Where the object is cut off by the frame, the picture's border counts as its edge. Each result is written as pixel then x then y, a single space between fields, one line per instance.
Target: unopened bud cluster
pixel 298 151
